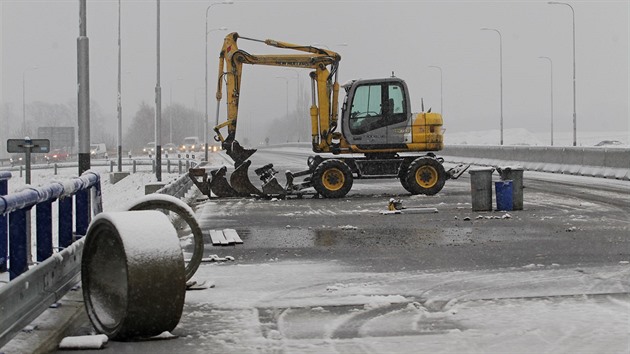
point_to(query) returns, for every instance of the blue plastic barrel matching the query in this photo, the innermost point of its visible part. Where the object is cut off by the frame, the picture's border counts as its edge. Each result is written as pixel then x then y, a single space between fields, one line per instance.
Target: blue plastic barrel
pixel 503 191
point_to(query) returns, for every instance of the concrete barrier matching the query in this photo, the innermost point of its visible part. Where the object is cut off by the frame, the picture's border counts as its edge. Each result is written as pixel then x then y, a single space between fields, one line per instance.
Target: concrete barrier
pixel 597 162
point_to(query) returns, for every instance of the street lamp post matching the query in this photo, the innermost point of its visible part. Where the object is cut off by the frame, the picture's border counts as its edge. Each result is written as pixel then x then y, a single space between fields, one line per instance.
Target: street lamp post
pixel 500 74
pixel 205 64
pixel 24 97
pixel 170 103
pixel 551 93
pixel 574 104
pixel 441 87
pixel 119 101
pixel 286 80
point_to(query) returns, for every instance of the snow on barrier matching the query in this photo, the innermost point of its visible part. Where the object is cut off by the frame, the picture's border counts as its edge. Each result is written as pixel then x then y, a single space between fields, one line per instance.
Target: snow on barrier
pixel 597 162
pixel 31 291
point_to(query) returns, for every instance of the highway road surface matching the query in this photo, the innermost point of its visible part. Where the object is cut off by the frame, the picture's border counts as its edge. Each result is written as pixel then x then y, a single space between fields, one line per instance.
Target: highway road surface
pixel 336 276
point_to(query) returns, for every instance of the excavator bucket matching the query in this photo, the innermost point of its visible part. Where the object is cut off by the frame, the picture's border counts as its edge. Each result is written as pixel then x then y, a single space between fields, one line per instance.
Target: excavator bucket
pixel 272 187
pixel 220 186
pixel 238 153
pixel 240 180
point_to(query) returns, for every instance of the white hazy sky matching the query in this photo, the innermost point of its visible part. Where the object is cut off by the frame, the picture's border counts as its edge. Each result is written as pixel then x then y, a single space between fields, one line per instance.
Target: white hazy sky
pixel 374 38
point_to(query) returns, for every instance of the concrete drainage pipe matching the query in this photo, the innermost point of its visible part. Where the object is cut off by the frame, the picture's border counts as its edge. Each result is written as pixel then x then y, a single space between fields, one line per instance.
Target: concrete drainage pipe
pixel 133 274
pixel 185 212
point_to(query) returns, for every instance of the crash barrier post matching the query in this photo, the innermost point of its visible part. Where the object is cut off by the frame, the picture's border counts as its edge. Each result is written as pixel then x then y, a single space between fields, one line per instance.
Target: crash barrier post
pixel 481 188
pixel 514 174
pixel 5 176
pixel 16 205
pixel 503 190
pixel 150 298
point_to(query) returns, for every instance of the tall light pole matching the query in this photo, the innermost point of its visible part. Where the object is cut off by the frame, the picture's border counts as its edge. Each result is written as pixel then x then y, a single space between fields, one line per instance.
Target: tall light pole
pixel 24 97
pixel 170 103
pixel 205 64
pixel 551 92
pixel 158 106
pixel 286 80
pixel 574 110
pixel 500 74
pixel 441 87
pixel 119 100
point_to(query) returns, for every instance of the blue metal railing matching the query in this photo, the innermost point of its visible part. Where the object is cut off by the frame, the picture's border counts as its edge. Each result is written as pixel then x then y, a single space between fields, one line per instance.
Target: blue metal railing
pixel 15 208
pixel 4 188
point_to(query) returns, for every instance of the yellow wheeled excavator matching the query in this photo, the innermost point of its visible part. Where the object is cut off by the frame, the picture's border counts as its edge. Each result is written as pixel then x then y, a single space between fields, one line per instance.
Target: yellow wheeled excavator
pixel 376 121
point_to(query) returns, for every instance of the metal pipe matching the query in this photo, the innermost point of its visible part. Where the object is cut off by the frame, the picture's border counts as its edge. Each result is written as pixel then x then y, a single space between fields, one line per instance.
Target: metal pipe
pixel 83 90
pixel 119 151
pixel 158 107
pixel 500 75
pixel 551 93
pixel 441 87
pixel 574 81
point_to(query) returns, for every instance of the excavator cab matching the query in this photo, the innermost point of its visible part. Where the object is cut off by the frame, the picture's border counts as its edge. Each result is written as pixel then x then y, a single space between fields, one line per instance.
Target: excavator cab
pixel 376 113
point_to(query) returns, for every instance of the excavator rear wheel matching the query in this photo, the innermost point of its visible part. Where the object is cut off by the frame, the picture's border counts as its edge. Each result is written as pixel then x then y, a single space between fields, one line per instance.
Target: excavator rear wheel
pixel 425 175
pixel 332 179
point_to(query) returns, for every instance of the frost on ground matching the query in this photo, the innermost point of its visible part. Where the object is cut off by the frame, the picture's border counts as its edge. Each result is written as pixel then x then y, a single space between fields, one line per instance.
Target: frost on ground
pixel 312 307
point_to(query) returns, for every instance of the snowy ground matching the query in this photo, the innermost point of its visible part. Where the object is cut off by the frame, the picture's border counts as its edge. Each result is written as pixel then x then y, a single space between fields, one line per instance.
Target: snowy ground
pixel 313 307
pixel 301 307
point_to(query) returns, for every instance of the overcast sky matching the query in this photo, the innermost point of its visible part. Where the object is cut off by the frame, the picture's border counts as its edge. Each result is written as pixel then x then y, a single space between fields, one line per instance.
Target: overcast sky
pixel 374 38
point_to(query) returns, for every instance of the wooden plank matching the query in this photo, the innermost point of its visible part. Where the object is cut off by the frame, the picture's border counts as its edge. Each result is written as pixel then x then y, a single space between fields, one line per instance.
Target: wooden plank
pixel 232 235
pixel 217 237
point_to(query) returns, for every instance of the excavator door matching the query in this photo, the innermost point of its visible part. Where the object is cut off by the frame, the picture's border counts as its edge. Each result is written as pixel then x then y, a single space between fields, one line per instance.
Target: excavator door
pixel 377 114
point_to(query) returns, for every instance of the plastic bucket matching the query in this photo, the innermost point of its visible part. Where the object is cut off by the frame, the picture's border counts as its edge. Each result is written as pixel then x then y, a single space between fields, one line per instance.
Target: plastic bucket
pixel 514 174
pixel 504 195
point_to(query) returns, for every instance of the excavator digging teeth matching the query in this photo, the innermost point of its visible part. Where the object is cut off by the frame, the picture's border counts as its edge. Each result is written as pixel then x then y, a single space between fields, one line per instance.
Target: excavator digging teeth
pixel 238 153
pixel 272 187
pixel 220 186
pixel 240 180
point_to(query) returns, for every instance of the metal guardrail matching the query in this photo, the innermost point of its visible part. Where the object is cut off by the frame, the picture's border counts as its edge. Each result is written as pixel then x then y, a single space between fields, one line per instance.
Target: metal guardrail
pixel 181 164
pixel 30 292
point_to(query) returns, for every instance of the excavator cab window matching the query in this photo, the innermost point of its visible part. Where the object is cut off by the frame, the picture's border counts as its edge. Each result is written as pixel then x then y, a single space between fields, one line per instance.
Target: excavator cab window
pixel 377 105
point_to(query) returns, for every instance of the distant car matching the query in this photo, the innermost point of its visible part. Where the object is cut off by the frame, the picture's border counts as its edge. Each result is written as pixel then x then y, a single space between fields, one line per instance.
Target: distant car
pixel 609 143
pixel 56 155
pixel 98 151
pixel 214 147
pixel 191 144
pixel 169 149
pixel 17 159
pixel 149 149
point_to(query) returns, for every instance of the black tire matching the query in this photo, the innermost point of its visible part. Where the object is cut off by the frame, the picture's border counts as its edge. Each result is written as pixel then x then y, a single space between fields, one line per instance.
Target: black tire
pixel 403 182
pixel 425 175
pixel 198 247
pixel 332 179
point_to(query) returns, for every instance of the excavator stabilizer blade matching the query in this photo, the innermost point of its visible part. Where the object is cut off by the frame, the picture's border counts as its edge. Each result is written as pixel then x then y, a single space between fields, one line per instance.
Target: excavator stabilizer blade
pixel 237 152
pixel 219 184
pixel 272 187
pixel 240 180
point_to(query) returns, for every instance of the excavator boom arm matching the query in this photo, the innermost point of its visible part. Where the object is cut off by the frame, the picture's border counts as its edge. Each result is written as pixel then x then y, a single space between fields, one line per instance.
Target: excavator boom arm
pixel 323 113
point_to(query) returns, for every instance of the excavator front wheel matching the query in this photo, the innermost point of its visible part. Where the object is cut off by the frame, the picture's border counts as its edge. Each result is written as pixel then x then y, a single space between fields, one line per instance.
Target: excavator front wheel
pixel 332 179
pixel 425 175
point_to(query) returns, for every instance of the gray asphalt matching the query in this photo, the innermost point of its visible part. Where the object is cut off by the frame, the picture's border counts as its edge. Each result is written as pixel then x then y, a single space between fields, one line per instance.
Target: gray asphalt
pixel 565 221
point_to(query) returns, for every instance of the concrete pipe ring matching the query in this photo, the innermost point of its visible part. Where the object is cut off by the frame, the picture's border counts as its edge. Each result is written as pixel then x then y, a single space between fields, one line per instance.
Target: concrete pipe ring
pixel 166 202
pixel 132 274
